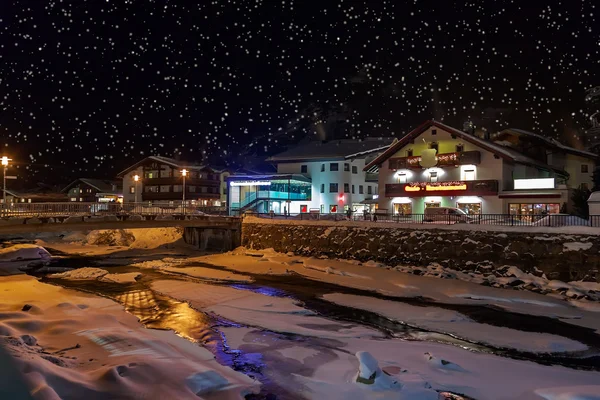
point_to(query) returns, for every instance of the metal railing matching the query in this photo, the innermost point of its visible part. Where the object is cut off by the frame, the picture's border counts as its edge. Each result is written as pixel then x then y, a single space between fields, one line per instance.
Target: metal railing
pixel 551 220
pixel 80 209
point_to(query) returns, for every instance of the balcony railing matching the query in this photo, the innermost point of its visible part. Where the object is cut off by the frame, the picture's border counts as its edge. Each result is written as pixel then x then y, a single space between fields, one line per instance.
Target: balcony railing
pixel 454 188
pixel 179 181
pixel 445 159
pixel 178 196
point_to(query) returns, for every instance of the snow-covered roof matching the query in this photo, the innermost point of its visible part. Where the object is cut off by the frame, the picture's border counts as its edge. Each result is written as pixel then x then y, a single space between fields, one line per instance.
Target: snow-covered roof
pixel 333 149
pixel 594 197
pixel 168 161
pixel 497 149
pixel 554 143
pixel 101 185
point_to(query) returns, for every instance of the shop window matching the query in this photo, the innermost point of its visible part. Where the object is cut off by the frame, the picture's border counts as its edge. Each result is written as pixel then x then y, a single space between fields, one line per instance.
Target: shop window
pixel 303 208
pixel 322 188
pixel 470 208
pixel 460 148
pixel 468 175
pixel 322 167
pixel 361 189
pixel 402 178
pixel 333 208
pixel 352 189
pixel 584 168
pixel 354 169
pixel 433 177
pixel 434 145
pixel 409 153
pixel 303 169
pixel 346 188
pixel 346 167
pixel 333 188
pixel 403 209
pixel 334 167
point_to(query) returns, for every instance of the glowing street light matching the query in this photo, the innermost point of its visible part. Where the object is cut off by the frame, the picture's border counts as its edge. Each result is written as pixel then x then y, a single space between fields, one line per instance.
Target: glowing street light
pixel 184 174
pixel 5 161
pixel 136 178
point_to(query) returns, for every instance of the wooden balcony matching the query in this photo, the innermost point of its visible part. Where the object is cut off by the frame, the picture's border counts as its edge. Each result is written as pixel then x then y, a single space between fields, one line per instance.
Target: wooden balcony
pixel 179 181
pixel 445 159
pixel 454 188
pixel 177 196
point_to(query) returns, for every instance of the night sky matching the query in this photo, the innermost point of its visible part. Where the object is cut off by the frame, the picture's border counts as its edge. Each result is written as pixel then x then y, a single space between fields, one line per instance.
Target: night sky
pixel 89 87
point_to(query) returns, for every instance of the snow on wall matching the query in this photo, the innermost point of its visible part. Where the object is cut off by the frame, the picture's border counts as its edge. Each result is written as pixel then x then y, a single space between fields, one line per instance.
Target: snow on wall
pixel 564 256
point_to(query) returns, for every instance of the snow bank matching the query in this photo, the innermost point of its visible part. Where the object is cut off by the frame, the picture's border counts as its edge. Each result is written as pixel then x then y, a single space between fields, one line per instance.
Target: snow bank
pixel 81 274
pixel 451 322
pixel 129 277
pixel 274 313
pixel 89 347
pixel 23 252
pixel 570 393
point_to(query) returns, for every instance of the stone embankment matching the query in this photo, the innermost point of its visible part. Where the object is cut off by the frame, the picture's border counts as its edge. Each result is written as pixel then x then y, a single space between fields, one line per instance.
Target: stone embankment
pixel 559 255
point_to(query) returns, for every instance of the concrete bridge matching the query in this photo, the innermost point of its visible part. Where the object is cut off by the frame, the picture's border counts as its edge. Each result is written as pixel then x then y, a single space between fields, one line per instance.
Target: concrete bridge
pixel 206 232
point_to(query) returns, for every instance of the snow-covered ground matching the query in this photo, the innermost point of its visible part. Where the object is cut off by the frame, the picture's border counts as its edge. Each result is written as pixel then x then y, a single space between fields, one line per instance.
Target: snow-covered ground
pixel 71 345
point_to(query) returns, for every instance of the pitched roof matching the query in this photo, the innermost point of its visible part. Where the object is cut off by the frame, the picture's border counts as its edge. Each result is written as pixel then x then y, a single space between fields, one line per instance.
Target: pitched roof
pixel 501 151
pixel 333 149
pixel 169 161
pixel 101 185
pixel 554 143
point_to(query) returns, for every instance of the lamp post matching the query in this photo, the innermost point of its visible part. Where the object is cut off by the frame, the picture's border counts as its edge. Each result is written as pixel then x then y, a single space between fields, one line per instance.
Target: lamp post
pixel 184 174
pixel 5 161
pixel 136 178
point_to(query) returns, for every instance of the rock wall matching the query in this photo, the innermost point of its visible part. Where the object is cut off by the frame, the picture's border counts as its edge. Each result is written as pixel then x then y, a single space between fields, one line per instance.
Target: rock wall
pixel 560 256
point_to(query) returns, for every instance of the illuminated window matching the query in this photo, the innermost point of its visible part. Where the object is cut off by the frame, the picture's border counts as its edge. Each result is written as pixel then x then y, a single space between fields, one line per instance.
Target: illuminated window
pixel 468 175
pixel 433 177
pixel 132 189
pixel 402 178
pixel 333 208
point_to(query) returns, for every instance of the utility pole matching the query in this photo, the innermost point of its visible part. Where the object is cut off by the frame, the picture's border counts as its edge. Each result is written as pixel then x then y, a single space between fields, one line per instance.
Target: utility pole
pixel 5 161
pixel 184 173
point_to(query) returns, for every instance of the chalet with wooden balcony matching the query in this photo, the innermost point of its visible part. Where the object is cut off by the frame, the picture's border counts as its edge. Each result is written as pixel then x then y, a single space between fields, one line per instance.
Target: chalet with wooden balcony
pixel 160 180
pixel 436 165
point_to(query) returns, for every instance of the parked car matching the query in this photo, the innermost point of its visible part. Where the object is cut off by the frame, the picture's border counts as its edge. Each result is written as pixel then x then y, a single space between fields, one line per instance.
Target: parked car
pixel 446 214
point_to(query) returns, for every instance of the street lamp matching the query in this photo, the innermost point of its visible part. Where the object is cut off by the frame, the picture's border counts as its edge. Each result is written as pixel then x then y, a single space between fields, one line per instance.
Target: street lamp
pixel 184 174
pixel 5 161
pixel 136 178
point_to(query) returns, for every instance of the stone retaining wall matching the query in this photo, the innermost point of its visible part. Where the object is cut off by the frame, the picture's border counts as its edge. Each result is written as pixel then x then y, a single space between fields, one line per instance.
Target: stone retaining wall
pixel 566 257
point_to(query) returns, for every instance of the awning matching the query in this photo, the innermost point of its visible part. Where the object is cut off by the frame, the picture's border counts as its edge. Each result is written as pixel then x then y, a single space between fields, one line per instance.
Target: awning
pixel 530 195
pixel 369 201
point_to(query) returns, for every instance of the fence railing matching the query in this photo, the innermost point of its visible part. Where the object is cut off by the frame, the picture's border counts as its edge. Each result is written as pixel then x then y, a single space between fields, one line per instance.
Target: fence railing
pixel 77 209
pixel 552 220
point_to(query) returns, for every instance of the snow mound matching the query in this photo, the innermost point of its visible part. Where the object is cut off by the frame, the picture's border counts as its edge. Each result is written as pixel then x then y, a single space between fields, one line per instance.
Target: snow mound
pixel 562 220
pixel 21 252
pixel 570 393
pixel 110 237
pixel 150 238
pixel 129 277
pixel 81 274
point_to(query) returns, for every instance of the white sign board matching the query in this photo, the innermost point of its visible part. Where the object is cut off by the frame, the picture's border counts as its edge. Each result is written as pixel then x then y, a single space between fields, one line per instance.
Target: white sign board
pixel 540 183
pixel 251 183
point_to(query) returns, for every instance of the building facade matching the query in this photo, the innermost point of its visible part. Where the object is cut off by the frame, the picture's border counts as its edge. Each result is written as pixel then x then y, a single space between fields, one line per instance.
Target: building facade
pixel 436 165
pixel 160 181
pixel 94 190
pixel 317 177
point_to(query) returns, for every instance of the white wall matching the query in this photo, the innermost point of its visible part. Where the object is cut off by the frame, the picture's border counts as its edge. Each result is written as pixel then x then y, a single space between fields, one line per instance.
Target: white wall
pixel 576 177
pixel 326 177
pixel 128 182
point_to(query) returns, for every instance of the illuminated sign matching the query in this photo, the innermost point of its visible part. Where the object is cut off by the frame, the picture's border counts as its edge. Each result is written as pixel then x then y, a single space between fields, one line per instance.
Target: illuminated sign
pixel 435 186
pixel 543 183
pixel 251 183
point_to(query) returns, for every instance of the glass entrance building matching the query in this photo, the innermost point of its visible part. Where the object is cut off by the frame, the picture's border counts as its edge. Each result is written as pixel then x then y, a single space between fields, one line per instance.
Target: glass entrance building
pixel 279 193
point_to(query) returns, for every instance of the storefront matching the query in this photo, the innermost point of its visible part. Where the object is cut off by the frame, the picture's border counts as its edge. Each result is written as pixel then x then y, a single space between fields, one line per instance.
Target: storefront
pixel 277 193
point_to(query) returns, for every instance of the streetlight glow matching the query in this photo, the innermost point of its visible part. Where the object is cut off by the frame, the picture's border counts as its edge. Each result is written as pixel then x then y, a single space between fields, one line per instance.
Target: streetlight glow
pixel 184 172
pixel 5 161
pixel 136 178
